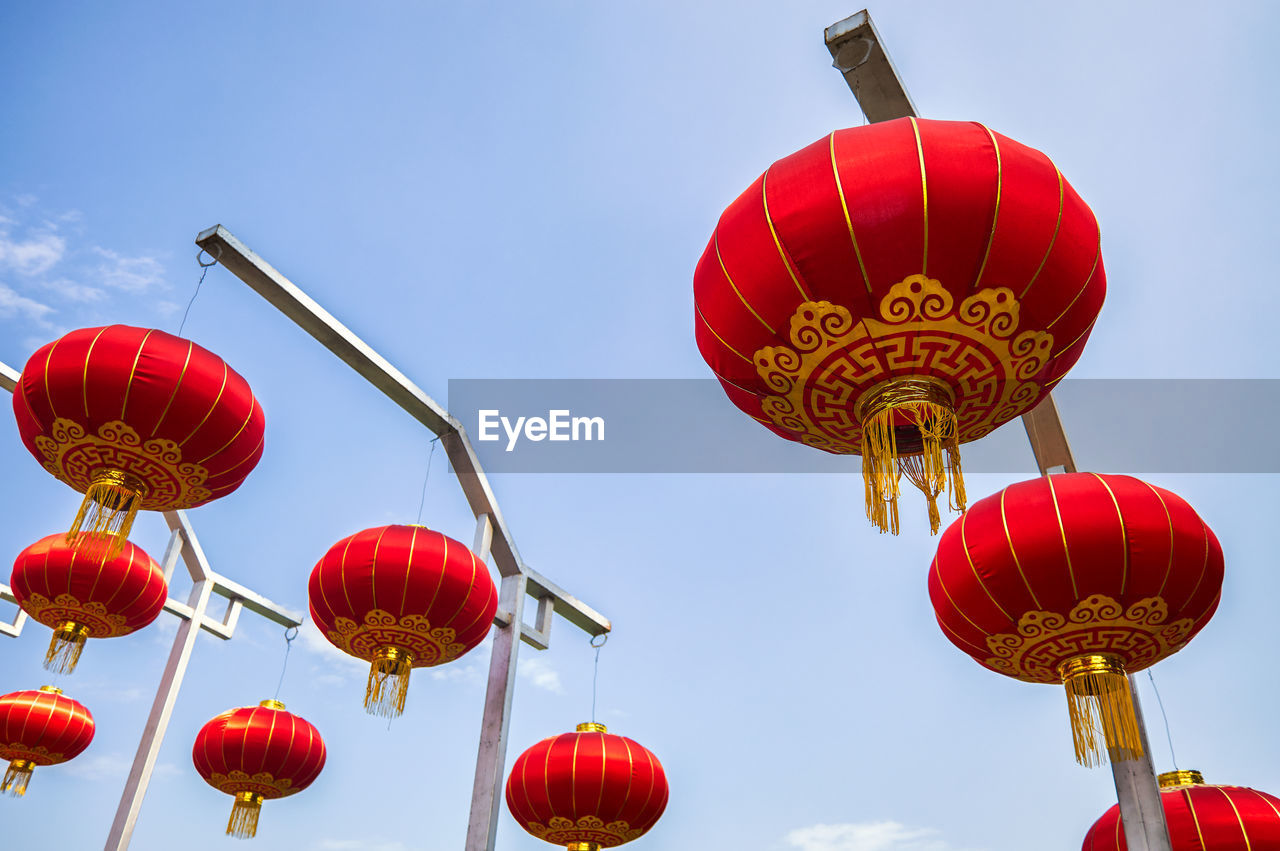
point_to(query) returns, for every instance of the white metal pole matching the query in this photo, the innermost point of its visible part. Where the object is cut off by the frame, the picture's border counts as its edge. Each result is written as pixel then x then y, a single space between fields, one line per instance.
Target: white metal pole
pixel 486 794
pixel 158 722
pixel 1139 794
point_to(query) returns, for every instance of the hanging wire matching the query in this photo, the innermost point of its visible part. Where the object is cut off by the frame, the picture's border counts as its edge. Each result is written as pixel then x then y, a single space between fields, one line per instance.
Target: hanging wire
pixel 289 635
pixel 204 270
pixel 595 674
pixel 423 501
pixel 1168 733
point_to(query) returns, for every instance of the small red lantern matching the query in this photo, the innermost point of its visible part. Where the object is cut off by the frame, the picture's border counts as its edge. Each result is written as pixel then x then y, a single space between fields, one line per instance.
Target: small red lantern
pixel 40 728
pixel 137 419
pixel 1201 818
pixel 256 753
pixel 82 597
pixel 587 790
pixel 401 597
pixel 895 290
pixel 1080 579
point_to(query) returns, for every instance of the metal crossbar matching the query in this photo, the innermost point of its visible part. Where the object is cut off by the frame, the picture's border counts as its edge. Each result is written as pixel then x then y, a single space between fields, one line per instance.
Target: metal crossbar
pixel 493 536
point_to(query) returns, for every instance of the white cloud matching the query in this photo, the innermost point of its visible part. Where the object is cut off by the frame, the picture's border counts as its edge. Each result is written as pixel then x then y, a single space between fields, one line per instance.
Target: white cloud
pixel 33 255
pixel 100 767
pixel 360 845
pixel 71 291
pixel 540 673
pixel 13 304
pixel 131 274
pixel 866 836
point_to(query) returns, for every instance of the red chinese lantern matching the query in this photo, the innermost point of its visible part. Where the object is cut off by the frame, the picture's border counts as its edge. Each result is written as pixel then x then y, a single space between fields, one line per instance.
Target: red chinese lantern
pixel 895 290
pixel 256 753
pixel 82 597
pixel 1079 579
pixel 587 790
pixel 134 419
pixel 1201 818
pixel 39 728
pixel 401 597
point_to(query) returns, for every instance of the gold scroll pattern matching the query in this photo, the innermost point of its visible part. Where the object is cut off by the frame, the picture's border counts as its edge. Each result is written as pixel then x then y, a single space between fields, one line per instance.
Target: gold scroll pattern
pixel 262 783
pixel 834 358
pixel 65 607
pixel 73 455
pixel 562 831
pixel 414 633
pixel 1140 635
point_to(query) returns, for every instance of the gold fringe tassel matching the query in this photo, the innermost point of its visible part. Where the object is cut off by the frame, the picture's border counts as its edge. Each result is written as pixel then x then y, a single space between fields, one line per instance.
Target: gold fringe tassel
pixel 388 685
pixel 935 466
pixel 106 515
pixel 1101 709
pixel 65 647
pixel 17 777
pixel 243 823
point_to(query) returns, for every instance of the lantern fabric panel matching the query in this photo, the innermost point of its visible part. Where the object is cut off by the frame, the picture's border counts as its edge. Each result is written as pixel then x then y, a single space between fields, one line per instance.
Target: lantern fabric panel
pixel 257 753
pixel 934 252
pixel 1201 817
pixel 1078 578
pixel 137 419
pixel 587 787
pixel 79 595
pixel 37 728
pixel 401 597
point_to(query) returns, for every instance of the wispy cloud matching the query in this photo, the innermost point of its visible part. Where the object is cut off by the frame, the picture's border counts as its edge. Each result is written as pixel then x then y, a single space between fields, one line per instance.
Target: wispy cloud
pixel 867 836
pixel 71 291
pixel 540 673
pixel 31 255
pixel 130 274
pixel 99 767
pixel 12 304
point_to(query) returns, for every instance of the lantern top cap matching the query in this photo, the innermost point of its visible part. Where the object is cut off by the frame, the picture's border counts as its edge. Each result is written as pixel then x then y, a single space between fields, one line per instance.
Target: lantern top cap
pixel 50 689
pixel 1181 777
pixel 592 727
pixel 271 704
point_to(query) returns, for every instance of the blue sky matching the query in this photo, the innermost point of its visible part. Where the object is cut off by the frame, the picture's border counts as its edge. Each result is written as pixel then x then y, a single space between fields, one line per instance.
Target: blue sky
pixel 490 190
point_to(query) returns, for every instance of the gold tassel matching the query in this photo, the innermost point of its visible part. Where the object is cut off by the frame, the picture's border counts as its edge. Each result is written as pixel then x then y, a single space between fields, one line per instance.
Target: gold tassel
pixel 65 647
pixel 388 685
pixel 17 777
pixel 1101 708
pixel 925 404
pixel 106 515
pixel 243 823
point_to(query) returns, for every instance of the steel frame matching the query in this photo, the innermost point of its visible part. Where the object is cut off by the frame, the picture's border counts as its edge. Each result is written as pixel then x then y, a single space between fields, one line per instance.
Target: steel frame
pixel 859 55
pixel 493 536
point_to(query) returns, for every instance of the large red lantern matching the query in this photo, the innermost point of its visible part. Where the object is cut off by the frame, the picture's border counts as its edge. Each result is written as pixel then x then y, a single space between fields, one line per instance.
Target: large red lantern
pixel 895 290
pixel 1080 579
pixel 134 419
pixel 401 597
pixel 40 728
pixel 1201 818
pixel 587 790
pixel 257 753
pixel 83 597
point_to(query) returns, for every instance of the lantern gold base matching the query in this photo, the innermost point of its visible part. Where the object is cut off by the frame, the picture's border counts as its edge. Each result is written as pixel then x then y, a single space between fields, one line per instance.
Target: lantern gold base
pixel 1103 721
pixel 388 687
pixel 909 428
pixel 106 515
pixel 583 846
pixel 1180 777
pixel 17 777
pixel 65 647
pixel 243 823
